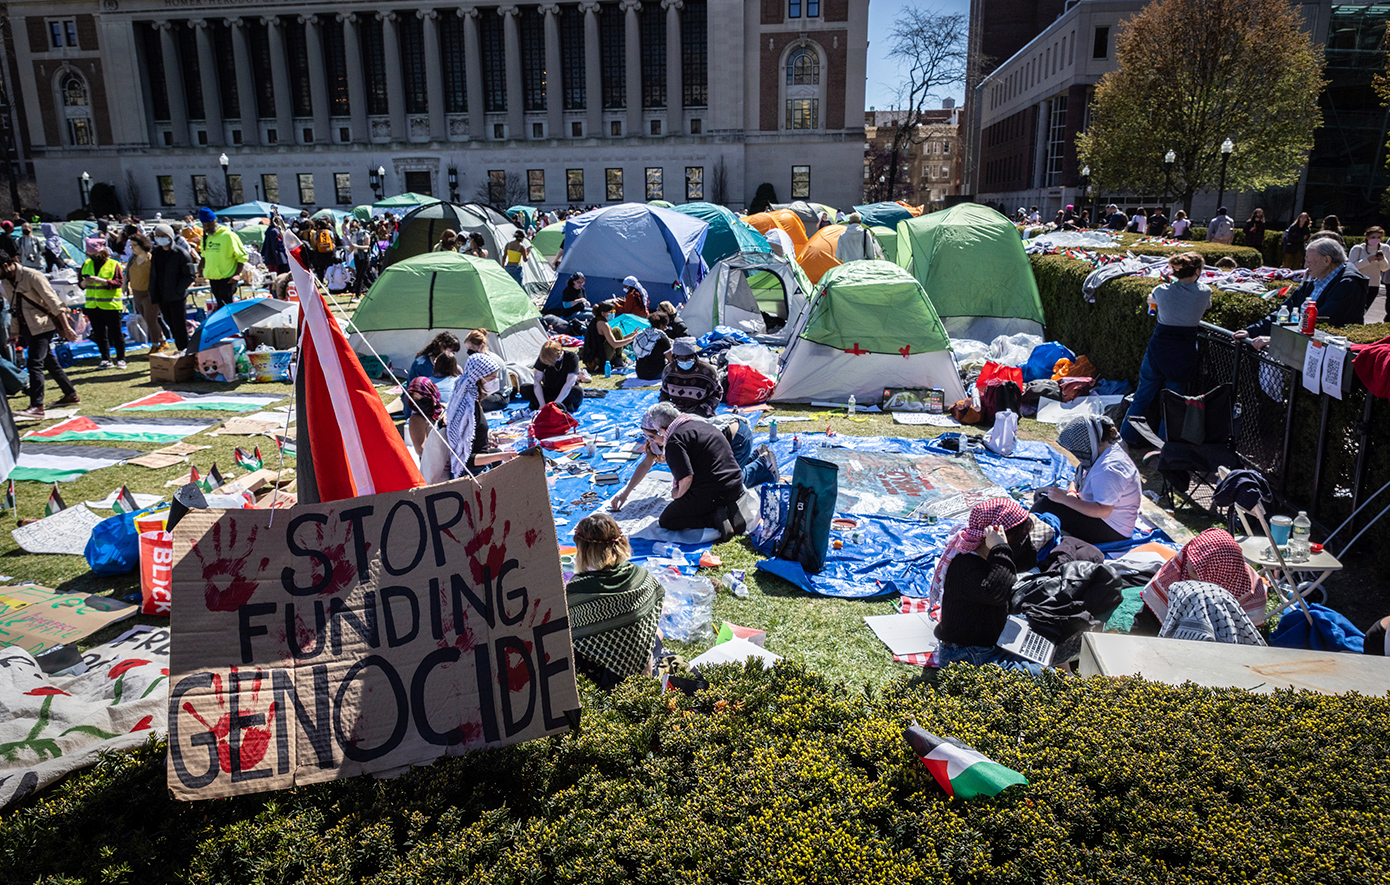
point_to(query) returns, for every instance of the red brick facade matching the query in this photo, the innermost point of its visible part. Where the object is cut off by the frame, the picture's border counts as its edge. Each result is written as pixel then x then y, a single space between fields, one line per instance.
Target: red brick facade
pixel 770 76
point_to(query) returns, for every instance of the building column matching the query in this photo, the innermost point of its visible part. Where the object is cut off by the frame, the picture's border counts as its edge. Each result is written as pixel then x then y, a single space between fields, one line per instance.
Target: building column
pixel 516 114
pixel 395 81
pixel 675 122
pixel 434 85
pixel 554 79
pixel 318 84
pixel 245 83
pixel 593 70
pixel 208 74
pixel 173 84
pixel 634 67
pixel 357 83
pixel 1039 177
pixel 473 66
pixel 279 72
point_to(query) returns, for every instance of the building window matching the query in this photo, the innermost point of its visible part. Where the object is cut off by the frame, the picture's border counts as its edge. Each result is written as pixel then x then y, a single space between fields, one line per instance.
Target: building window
pixel 535 185
pixel 166 190
pixel 235 194
pixel 496 186
pixel 613 185
pixel 654 188
pixel 538 130
pixel 307 134
pixel 1056 141
pixel 342 188
pixel 344 134
pixel 201 197
pixel 696 126
pixel 945 147
pixel 451 53
pixel 373 41
pixel 154 71
pixel 493 48
pixel 801 182
pixel 576 129
pixel 335 59
pixel 803 113
pixel 306 189
pixel 62 33
pixel 531 30
pixel 615 128
pixel 572 58
pixel 803 68
pixel 189 63
pixel 694 54
pixel 655 127
pixel 272 136
pixel 410 32
pixel 612 58
pixel 499 131
pixel 812 8
pixel 259 40
pixel 270 183
pixel 220 35
pixel 793 8
pixel 73 93
pixel 297 56
pixel 1101 47
pixel 694 183
pixel 652 19
pixel 574 185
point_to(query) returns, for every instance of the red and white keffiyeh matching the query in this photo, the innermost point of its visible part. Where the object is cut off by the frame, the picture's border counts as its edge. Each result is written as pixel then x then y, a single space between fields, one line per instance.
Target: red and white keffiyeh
pixel 1213 557
pixel 1004 512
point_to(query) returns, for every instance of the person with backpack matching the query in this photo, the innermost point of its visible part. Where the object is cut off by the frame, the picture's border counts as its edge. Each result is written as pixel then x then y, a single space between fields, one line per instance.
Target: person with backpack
pixel 323 244
pixel 223 257
pixel 37 316
pixel 857 242
pixel 1222 228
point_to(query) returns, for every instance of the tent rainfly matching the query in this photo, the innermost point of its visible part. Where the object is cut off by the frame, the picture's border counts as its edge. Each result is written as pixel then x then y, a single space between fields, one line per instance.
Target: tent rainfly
pixel 784 220
pixel 727 234
pixel 743 290
pixel 422 226
pixel 660 247
pixel 818 256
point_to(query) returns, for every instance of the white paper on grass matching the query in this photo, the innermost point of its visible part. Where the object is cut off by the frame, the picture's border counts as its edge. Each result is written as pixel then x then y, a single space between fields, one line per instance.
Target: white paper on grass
pixel 64 532
pixel 909 634
pixel 735 651
pixel 1312 366
pixel 1055 412
pixel 141 500
pixel 924 419
pixel 1333 365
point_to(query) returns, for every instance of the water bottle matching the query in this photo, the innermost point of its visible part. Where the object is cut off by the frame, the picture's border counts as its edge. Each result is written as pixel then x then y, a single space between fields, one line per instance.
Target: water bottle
pixel 850 409
pixel 608 368
pixel 1283 318
pixel 1039 477
pixel 1293 316
pixel 1299 537
pixel 796 442
pixel 772 431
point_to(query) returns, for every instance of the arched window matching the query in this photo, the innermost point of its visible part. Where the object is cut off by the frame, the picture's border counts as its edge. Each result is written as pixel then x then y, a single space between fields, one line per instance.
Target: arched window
pixel 803 67
pixel 74 92
pixel 803 93
pixel 74 98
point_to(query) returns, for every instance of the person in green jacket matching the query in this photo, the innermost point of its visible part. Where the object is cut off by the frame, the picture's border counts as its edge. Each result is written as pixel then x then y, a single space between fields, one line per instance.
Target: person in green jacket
pixel 102 280
pixel 223 256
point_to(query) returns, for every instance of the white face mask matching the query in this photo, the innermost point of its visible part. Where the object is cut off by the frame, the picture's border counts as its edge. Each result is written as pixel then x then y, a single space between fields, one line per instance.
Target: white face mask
pixel 492 386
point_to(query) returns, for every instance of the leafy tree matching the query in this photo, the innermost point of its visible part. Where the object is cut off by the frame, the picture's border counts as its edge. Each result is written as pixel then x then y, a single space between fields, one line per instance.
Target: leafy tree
pixel 103 200
pixel 1193 73
pixel 930 49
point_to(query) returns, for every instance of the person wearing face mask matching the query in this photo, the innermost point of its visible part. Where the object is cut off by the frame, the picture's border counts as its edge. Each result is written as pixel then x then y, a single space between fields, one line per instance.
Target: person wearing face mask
pixel 556 379
pixel 689 383
pixel 1372 259
pixel 634 300
pixel 30 248
pixel 462 447
pixel 102 279
pixel 171 273
pixel 138 282
pixel 36 315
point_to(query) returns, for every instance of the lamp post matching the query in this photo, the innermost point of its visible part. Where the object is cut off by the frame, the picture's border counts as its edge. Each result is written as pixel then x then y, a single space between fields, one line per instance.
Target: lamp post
pixel 1227 147
pixel 1168 160
pixel 375 181
pixel 381 177
pixel 226 181
pixel 1085 186
pixel 453 184
pixel 86 188
pixel 882 187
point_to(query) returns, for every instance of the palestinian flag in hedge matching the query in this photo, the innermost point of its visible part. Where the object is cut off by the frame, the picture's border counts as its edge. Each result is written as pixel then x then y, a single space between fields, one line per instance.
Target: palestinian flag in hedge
pixel 961 771
pixel 176 401
pixel 58 463
pixel 103 429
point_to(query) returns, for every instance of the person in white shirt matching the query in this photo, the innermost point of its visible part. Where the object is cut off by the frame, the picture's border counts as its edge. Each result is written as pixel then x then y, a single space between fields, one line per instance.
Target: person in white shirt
pixel 1372 259
pixel 1105 506
pixel 857 242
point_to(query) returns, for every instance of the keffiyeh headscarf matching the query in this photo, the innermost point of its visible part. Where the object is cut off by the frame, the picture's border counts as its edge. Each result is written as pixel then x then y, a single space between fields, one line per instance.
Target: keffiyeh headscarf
pixel 424 395
pixel 459 431
pixel 1083 436
pixel 1213 557
pixel 1005 512
pixel 1204 612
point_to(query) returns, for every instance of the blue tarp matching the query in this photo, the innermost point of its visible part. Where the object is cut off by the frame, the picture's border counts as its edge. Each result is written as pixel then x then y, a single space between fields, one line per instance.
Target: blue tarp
pixel 659 247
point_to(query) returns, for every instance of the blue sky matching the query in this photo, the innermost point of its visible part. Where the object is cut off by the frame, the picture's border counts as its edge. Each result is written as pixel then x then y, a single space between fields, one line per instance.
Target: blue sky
pixel 883 72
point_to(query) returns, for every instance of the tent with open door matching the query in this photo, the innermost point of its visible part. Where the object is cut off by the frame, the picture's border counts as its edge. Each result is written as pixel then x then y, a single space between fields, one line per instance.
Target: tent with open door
pixel 727 235
pixel 869 325
pixel 415 299
pixel 970 260
pixel 660 247
pixel 421 227
pixel 749 291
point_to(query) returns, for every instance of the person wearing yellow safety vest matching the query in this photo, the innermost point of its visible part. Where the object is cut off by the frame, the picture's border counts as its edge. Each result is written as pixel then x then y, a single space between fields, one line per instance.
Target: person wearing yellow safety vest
pixel 517 253
pixel 223 256
pixel 102 279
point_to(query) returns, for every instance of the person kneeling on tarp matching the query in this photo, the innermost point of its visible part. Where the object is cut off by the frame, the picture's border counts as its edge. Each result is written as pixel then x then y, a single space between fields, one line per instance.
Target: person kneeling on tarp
pixel 707 479
pixel 974 583
pixel 614 605
pixel 1213 557
pixel 1106 507
pixel 556 379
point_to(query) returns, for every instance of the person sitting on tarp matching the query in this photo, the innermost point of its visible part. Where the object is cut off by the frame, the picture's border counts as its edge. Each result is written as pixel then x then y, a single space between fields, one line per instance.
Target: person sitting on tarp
pixel 974 582
pixel 464 447
pixel 601 344
pixel 689 383
pixel 572 316
pixel 423 365
pixel 707 480
pixel 634 300
pixel 614 605
pixel 556 379
pixel 1106 506
pixel 758 465
pixel 652 348
pixel 675 326
pixel 446 375
pixel 1213 557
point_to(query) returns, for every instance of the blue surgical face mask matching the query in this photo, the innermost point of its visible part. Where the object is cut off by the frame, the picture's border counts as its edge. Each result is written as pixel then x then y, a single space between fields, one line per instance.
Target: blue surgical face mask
pixel 686 364
pixel 163 241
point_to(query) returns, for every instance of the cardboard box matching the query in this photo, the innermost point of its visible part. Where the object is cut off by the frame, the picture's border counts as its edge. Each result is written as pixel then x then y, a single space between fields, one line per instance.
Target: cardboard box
pixel 167 367
pixel 274 337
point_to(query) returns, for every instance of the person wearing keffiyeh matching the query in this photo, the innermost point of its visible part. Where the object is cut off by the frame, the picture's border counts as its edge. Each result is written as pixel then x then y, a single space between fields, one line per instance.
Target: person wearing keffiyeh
pixel 614 605
pixel 1214 558
pixel 1105 506
pixel 465 426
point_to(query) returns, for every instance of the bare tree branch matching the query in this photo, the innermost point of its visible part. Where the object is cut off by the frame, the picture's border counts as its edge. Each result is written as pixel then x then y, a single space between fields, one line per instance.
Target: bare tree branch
pixel 931 50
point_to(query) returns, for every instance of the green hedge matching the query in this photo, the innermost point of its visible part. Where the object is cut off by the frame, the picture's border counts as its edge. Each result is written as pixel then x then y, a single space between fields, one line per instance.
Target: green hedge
pixel 1114 330
pixel 779 777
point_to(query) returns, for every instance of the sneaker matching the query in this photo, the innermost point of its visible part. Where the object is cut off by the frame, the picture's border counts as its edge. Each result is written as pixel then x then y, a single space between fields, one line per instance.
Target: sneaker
pixel 33 413
pixel 104 364
pixel 770 461
pixel 70 399
pixel 120 364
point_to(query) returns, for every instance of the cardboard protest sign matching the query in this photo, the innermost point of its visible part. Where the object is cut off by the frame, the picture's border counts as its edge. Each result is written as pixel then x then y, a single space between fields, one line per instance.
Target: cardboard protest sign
pixel 366 635
pixel 36 618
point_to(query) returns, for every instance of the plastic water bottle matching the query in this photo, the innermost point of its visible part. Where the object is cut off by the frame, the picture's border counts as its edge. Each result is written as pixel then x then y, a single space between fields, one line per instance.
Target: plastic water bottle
pixel 1293 316
pixel 850 409
pixel 1039 477
pixel 1299 537
pixel 608 368
pixel 772 431
pixel 1283 318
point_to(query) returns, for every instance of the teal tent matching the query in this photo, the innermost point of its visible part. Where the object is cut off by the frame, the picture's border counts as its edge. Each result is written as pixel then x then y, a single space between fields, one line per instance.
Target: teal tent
pixel 727 234
pixel 883 214
pixel 407 200
pixel 256 209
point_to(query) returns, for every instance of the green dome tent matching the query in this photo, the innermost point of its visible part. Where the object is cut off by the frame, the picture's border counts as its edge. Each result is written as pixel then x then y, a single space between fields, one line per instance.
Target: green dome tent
pixel 422 226
pixel 549 239
pixel 869 325
pixel 406 200
pixel 887 241
pixel 970 260
pixel 415 299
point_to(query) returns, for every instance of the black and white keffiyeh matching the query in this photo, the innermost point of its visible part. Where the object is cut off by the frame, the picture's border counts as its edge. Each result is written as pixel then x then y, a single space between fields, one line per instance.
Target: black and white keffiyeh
pixel 1207 613
pixel 461 414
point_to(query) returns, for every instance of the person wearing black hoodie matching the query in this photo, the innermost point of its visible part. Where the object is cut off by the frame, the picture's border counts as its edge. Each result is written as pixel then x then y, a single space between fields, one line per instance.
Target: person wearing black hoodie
pixel 171 273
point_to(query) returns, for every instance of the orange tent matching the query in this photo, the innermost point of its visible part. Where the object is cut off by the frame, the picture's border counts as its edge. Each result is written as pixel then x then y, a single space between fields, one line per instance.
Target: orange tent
pixel 915 210
pixel 819 254
pixel 783 219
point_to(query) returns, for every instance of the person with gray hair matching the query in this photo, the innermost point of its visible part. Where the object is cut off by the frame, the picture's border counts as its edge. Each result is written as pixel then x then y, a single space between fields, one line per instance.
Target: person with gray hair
pixel 857 242
pixel 1330 282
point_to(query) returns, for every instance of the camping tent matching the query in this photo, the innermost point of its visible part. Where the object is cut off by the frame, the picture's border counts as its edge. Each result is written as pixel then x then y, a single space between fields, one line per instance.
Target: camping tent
pixel 885 214
pixel 970 260
pixel 406 200
pixel 809 213
pixel 727 235
pixel 417 298
pixel 525 212
pixel 818 256
pixel 869 325
pixel 887 241
pixel 549 239
pixel 77 232
pixel 257 209
pixel 742 290
pixel 782 219
pixel 658 246
pixel 421 227
pixel 252 233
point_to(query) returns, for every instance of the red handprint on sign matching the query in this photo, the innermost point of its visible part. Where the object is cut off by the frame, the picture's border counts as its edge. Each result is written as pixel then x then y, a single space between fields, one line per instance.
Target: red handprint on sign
pixel 486 568
pixel 254 741
pixel 228 586
pixel 343 572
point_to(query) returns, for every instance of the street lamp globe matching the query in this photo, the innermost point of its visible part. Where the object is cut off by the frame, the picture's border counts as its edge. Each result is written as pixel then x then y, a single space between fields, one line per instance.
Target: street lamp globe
pixel 1172 157
pixel 1085 171
pixel 86 178
pixel 381 172
pixel 223 161
pixel 1227 146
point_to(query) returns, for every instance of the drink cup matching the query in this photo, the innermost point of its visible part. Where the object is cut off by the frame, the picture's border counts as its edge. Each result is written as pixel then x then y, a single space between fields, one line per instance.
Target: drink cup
pixel 1279 529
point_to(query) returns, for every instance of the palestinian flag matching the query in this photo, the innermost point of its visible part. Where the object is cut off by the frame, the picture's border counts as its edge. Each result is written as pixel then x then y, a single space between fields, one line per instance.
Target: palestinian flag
pixel 9 496
pixel 176 401
pixel 55 502
pixel 196 478
pixel 249 460
pixel 215 480
pixel 103 429
pixel 58 463
pixel 125 501
pixel 961 771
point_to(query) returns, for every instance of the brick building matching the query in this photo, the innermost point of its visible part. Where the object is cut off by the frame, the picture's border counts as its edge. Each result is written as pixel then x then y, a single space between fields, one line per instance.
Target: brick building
pixel 933 159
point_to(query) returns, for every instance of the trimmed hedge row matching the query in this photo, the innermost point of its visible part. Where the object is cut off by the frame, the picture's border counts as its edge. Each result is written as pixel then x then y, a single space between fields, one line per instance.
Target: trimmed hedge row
pixel 780 777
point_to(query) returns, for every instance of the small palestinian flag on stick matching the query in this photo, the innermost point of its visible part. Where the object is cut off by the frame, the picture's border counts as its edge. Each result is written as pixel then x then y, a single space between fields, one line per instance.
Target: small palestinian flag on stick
pixel 125 501
pixel 197 478
pixel 55 502
pixel 961 771
pixel 215 480
pixel 249 460
pixel 9 496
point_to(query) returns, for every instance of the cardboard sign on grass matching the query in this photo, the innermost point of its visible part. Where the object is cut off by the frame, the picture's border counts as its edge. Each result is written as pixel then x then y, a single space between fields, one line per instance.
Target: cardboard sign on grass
pixel 366 635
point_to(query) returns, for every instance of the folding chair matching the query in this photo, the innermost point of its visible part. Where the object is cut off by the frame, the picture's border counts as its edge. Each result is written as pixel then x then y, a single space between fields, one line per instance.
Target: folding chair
pixel 1293 584
pixel 1201 433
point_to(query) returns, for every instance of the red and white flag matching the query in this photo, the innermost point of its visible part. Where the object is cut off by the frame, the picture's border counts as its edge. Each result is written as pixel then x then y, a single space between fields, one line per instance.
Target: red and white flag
pixel 353 446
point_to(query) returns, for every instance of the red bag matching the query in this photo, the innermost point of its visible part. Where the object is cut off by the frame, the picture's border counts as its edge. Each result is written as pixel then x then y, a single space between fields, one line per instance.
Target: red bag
pixel 552 420
pixel 1074 387
pixel 748 386
pixel 156 567
pixel 993 370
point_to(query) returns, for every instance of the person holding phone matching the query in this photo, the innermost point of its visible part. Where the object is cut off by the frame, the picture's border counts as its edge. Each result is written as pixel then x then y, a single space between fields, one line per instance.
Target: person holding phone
pixel 1372 259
